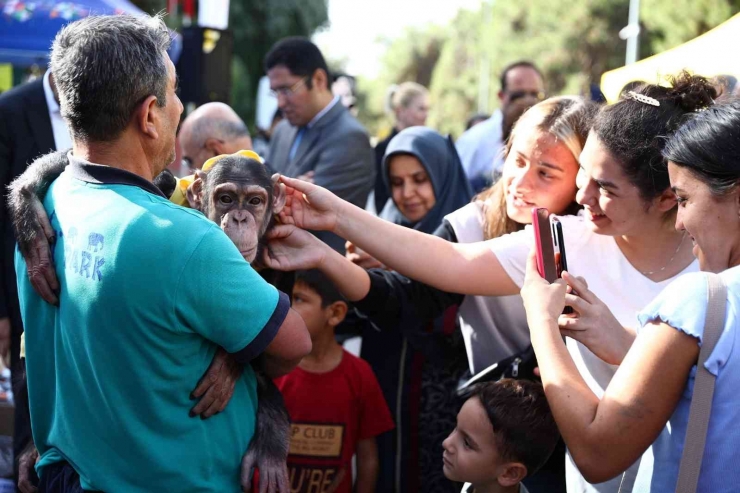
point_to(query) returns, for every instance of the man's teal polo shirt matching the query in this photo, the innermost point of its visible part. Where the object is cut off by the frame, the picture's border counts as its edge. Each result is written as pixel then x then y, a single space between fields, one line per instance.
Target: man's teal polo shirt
pixel 149 291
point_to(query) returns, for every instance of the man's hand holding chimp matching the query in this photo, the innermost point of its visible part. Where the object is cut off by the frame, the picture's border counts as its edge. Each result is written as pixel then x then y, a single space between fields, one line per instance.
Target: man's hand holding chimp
pixel 216 386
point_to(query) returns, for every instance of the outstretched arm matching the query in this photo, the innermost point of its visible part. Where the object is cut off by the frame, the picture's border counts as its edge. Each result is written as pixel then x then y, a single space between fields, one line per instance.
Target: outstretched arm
pixel 292 248
pixel 470 268
pixel 32 228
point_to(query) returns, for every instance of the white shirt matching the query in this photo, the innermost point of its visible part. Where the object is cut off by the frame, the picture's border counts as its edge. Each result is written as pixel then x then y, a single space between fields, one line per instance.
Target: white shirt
pixel 323 112
pixel 481 148
pixel 62 139
pixel 493 327
pixel 624 289
pixel 468 488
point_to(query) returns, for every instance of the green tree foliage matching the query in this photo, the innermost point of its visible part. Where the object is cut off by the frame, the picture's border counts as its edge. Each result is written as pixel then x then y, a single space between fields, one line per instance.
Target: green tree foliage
pixel 257 25
pixel 573 42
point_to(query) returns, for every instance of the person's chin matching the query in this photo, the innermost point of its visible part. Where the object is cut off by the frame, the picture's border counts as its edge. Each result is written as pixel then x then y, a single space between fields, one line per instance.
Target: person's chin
pixel 522 215
pixel 599 223
pixel 448 469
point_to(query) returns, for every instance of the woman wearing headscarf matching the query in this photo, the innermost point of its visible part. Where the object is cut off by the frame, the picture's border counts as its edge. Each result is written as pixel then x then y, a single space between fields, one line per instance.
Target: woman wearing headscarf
pixel 418 367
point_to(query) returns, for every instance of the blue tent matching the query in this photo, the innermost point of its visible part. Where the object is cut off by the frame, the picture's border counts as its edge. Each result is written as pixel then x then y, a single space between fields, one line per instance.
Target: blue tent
pixel 28 27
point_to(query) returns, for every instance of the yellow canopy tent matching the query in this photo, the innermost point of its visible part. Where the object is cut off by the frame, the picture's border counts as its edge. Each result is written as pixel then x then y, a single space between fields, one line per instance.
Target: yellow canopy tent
pixel 708 55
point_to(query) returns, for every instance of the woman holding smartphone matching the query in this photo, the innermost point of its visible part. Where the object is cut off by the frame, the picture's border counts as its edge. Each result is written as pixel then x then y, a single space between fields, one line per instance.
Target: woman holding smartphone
pixel 624 243
pixel 655 382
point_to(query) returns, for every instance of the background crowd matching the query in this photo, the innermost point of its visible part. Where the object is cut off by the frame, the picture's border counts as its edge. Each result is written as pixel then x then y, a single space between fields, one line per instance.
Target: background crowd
pixel 398 309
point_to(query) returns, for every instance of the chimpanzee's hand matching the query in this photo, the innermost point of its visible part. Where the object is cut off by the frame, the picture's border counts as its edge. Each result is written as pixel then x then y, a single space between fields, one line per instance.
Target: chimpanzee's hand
pixel 216 386
pixel 26 473
pixel 309 206
pixel 34 245
pixel 290 248
pixel 273 476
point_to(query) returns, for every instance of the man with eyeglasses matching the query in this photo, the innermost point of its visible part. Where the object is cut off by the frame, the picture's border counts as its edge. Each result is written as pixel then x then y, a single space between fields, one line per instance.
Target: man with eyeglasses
pixel 211 130
pixel 318 139
pixel 481 148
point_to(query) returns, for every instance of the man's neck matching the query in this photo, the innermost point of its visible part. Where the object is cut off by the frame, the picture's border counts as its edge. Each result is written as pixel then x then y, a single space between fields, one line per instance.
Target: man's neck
pixel 326 354
pixel 121 154
pixel 323 100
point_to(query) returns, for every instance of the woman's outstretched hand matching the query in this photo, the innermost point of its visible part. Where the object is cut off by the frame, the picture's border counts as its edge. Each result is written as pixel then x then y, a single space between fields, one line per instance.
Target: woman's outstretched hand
pixel 544 302
pixel 310 206
pixel 593 324
pixel 290 248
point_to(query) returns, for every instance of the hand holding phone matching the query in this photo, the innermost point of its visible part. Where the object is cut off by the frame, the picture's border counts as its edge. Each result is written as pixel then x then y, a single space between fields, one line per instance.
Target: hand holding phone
pixel 550 243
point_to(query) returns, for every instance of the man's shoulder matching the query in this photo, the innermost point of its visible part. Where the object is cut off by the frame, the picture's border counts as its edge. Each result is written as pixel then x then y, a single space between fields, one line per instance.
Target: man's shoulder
pixel 481 131
pixel 348 124
pixel 14 98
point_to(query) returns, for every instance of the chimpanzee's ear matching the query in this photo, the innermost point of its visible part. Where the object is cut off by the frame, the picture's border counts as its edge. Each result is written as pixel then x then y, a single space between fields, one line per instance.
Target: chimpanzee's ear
pixel 278 194
pixel 195 190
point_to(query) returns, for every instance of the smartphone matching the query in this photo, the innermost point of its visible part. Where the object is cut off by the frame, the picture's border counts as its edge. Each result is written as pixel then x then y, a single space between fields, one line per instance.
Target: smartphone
pixel 546 265
pixel 561 262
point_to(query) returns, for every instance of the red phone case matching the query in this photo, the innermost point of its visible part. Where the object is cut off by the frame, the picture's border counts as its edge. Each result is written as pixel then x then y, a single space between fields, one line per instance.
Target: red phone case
pixel 543 241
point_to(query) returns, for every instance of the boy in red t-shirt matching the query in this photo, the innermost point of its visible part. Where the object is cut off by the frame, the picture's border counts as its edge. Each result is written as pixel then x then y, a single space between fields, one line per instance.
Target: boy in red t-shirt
pixel 334 401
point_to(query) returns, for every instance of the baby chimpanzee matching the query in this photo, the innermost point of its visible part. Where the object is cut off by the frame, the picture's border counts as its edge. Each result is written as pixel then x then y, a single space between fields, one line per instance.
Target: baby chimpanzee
pixel 237 193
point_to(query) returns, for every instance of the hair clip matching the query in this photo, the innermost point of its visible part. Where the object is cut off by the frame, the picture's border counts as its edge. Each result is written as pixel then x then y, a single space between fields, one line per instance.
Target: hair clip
pixel 642 98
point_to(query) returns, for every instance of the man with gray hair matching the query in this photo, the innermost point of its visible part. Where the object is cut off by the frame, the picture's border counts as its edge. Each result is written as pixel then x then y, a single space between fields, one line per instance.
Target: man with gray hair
pixel 139 316
pixel 212 129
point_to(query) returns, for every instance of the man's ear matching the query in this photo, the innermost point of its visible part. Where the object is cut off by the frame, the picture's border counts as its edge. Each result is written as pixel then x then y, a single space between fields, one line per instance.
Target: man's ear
pixel 278 194
pixel 215 146
pixel 321 79
pixel 195 190
pixel 512 473
pixel 146 117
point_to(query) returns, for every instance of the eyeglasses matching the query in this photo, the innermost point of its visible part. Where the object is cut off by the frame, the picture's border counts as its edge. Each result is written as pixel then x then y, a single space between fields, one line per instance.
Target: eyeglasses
pixel 538 95
pixel 289 91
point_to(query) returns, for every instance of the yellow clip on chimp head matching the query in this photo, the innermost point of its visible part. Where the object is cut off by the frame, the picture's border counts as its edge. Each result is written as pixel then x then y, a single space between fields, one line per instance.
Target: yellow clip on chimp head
pixel 244 153
pixel 180 197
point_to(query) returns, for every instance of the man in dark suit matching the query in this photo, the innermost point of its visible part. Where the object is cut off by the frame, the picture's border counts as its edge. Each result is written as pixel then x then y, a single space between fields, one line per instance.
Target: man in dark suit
pixel 26 132
pixel 319 139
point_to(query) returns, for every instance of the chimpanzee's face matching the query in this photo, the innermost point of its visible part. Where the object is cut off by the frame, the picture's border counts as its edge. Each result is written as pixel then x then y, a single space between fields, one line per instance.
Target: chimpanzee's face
pixel 238 194
pixel 243 211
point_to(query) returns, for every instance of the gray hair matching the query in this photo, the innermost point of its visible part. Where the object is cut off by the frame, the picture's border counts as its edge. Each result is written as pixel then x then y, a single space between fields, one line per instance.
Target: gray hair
pixel 104 66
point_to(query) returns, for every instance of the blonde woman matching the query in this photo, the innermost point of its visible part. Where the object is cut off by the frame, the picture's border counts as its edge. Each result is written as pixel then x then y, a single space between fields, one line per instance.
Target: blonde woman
pixel 409 105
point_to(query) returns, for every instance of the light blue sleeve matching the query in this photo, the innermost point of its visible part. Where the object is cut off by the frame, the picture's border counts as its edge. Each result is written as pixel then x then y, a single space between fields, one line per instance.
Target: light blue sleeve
pixel 683 306
pixel 221 297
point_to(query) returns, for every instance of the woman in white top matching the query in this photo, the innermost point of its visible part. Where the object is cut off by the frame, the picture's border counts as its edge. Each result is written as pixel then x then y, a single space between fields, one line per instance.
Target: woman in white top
pixel 654 383
pixel 625 243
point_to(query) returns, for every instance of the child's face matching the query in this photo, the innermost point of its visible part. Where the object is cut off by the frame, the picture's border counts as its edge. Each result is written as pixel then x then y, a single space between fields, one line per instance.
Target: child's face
pixel 307 303
pixel 470 453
